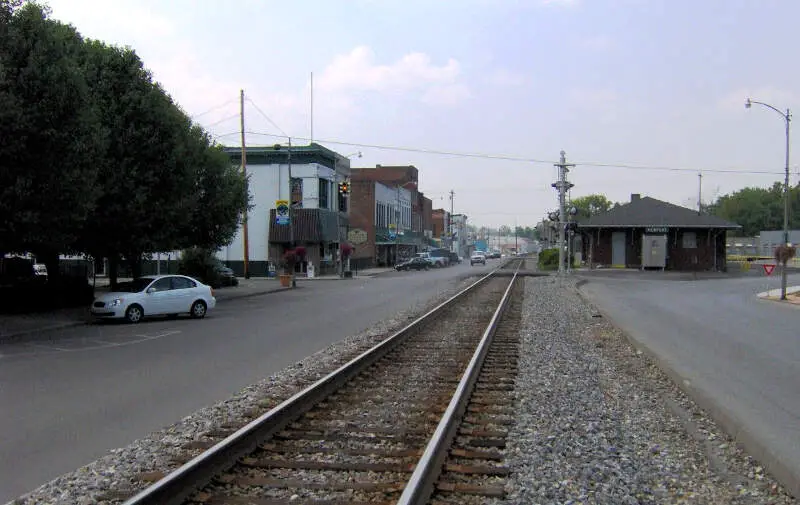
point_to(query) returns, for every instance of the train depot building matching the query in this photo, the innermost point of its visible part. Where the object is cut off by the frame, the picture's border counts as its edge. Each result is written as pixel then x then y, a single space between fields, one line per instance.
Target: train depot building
pixel 646 233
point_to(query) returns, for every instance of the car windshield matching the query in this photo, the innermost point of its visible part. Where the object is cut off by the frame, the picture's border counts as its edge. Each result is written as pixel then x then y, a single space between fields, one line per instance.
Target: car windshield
pixel 134 286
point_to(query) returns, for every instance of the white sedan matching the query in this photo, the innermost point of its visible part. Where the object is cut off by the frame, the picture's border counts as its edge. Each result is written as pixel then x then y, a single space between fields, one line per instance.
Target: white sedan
pixel 155 295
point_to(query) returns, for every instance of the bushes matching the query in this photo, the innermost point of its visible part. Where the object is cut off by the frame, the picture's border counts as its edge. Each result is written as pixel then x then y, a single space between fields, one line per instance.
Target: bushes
pixel 548 259
pixel 200 263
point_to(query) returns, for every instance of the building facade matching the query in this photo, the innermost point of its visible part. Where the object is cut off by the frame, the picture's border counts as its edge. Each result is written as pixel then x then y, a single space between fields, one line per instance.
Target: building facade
pixel 318 215
pixel 388 215
pixel 649 233
pixel 439 223
pixel 461 243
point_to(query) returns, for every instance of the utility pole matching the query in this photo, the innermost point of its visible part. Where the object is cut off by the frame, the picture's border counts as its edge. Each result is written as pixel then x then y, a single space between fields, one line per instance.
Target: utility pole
pixel 700 192
pixel 450 220
pixel 291 205
pixel 516 241
pixel 312 108
pixel 244 171
pixel 562 186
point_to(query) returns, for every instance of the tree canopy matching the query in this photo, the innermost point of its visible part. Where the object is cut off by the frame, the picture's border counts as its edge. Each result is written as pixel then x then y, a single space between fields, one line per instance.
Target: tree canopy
pixel 95 157
pixel 757 209
pixel 591 205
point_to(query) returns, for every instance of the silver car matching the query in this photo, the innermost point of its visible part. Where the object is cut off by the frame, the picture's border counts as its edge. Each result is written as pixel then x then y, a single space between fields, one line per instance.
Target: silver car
pixel 155 295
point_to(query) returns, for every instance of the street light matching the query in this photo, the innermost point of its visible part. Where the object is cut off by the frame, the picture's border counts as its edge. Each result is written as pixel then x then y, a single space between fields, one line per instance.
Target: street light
pixel 341 267
pixel 787 117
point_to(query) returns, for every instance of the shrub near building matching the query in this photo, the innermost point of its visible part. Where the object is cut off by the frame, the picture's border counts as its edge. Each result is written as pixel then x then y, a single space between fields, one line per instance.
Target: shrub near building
pixel 548 259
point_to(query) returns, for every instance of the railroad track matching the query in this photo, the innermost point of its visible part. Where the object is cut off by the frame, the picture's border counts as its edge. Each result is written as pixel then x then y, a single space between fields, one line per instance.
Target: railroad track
pixel 420 417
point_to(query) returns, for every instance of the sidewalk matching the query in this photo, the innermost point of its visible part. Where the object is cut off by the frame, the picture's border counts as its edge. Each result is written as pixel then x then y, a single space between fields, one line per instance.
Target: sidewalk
pixel 366 273
pixel 13 326
pixel 792 295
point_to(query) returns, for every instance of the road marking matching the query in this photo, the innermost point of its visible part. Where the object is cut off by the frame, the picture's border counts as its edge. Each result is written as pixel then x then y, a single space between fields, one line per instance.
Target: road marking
pixel 105 345
pixel 48 347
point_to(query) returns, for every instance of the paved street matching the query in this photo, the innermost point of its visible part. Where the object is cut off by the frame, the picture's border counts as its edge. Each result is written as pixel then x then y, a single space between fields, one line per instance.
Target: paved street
pixel 741 352
pixel 66 401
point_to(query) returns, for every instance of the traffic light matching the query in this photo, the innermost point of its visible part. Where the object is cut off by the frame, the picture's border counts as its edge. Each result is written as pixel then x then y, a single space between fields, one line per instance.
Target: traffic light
pixel 344 188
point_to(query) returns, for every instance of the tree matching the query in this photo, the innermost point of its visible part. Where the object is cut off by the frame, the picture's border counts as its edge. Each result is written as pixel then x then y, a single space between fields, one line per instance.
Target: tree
pixel 526 232
pixel 148 192
pixel 505 230
pixel 591 205
pixel 48 135
pixel 757 209
pixel 222 195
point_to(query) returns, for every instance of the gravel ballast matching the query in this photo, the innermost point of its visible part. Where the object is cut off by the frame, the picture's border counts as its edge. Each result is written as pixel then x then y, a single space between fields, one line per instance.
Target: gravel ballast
pixel 114 477
pixel 599 422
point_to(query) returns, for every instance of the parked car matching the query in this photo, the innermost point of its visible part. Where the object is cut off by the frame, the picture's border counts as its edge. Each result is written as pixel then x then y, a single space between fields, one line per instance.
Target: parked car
pixel 433 261
pixel 414 264
pixel 454 258
pixel 155 295
pixel 440 252
pixel 477 257
pixel 225 275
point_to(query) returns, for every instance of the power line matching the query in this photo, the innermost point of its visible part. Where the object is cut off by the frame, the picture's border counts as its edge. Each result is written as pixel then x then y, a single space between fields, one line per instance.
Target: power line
pixel 268 119
pixel 212 109
pixel 627 166
pixel 222 121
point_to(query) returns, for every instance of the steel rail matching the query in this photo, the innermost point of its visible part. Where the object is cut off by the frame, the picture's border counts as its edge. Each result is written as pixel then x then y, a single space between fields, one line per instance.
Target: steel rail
pixel 421 485
pixel 189 478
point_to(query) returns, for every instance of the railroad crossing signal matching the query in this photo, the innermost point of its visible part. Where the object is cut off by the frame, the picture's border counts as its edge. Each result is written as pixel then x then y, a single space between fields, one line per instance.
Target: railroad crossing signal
pixel 344 188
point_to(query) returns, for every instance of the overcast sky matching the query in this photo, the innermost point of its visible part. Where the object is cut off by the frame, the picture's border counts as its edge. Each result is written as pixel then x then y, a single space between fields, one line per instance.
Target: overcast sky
pixel 653 83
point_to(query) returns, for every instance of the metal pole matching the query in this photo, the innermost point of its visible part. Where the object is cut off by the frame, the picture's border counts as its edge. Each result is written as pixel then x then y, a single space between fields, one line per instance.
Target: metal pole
pixel 291 206
pixel 450 220
pixel 337 253
pixel 788 119
pixel 784 273
pixel 700 193
pixel 244 171
pixel 562 182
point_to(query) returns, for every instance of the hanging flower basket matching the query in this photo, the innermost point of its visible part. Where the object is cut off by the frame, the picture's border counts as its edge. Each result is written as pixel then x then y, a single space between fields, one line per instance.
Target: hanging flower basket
pixel 346 250
pixel 289 262
pixel 783 253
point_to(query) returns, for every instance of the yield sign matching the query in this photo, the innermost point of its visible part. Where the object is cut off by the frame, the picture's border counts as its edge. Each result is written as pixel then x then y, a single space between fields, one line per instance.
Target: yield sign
pixel 768 269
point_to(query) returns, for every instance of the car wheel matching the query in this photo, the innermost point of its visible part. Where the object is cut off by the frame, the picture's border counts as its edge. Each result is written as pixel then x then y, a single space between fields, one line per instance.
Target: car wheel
pixel 134 314
pixel 198 309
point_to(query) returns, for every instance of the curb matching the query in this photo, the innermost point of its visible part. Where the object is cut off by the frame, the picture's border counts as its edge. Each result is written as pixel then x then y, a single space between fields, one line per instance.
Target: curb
pixel 788 477
pixel 10 338
pixel 251 295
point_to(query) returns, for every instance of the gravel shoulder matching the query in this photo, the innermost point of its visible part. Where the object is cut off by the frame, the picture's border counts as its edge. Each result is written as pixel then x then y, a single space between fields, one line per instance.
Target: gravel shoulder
pixel 599 422
pixel 126 470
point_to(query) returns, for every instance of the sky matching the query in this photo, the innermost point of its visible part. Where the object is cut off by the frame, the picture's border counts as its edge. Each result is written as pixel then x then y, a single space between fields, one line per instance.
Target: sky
pixel 642 95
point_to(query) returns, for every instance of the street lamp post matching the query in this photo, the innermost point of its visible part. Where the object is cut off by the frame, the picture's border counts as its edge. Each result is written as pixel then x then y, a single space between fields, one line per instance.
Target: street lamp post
pixel 787 117
pixel 339 198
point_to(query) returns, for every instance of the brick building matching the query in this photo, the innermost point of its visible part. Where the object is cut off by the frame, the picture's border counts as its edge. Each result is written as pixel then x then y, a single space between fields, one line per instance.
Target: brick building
pixel 389 216
pixel 439 221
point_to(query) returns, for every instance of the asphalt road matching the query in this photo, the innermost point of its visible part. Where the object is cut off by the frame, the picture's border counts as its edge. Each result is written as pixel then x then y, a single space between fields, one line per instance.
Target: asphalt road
pixel 67 401
pixel 739 353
